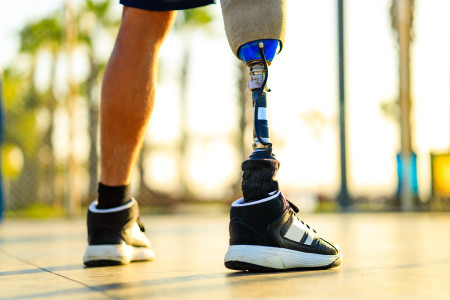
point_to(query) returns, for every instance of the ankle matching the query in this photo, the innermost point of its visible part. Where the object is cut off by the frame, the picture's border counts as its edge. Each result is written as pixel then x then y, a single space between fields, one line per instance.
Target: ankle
pixel 113 196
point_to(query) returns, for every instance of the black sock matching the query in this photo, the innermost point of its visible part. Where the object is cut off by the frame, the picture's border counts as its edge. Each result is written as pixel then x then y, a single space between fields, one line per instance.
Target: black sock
pixel 258 179
pixel 113 196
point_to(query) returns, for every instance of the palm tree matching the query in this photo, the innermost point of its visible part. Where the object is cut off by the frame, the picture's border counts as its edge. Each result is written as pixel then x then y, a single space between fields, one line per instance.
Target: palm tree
pixel 48 35
pixel 21 101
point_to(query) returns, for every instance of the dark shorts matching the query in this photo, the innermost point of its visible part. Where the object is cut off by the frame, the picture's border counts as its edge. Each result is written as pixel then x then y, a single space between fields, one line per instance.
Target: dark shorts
pixel 164 5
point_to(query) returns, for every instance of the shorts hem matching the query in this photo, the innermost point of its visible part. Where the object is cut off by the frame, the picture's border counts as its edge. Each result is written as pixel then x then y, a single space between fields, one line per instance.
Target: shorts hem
pixel 162 6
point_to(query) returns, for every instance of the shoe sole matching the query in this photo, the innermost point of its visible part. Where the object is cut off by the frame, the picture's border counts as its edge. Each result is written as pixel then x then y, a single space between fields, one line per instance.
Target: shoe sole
pixel 261 258
pixel 111 255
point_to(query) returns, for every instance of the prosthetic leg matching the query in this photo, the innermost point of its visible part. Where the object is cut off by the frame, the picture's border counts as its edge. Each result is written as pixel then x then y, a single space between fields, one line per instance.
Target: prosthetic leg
pixel 256 33
pixel 265 232
pixel 259 171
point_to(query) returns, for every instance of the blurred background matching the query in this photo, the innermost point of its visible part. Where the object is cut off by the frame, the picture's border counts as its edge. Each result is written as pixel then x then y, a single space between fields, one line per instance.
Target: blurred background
pixel 359 108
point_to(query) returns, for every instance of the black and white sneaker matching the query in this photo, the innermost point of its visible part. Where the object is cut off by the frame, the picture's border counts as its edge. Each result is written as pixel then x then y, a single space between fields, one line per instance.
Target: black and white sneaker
pixel 266 235
pixel 116 236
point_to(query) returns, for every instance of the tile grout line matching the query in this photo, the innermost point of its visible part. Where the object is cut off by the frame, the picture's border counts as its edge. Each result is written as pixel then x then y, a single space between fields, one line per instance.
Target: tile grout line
pixel 56 274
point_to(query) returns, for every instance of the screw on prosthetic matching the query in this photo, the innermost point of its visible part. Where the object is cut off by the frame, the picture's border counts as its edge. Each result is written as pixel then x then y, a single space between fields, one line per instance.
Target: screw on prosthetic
pixel 259 171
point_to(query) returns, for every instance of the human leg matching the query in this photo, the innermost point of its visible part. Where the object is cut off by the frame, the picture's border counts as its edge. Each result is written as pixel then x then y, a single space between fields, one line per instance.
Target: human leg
pixel 115 234
pixel 128 92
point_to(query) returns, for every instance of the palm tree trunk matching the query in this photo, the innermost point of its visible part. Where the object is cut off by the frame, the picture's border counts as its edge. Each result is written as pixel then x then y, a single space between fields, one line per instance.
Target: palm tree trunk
pixel 74 195
pixel 48 142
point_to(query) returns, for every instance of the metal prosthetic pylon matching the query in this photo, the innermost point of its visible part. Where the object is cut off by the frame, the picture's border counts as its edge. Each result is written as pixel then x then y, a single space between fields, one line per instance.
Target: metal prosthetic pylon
pixel 262 147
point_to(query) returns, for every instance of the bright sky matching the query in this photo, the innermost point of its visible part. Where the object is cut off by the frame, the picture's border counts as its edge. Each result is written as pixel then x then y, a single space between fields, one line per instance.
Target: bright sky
pixel 13 14
pixel 303 104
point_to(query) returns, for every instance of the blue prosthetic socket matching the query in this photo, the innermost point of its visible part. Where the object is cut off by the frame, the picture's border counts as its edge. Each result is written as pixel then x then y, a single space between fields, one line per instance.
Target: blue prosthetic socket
pixel 250 51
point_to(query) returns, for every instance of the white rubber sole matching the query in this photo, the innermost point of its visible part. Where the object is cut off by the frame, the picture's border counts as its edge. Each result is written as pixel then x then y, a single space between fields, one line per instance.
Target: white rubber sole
pixel 276 258
pixel 116 254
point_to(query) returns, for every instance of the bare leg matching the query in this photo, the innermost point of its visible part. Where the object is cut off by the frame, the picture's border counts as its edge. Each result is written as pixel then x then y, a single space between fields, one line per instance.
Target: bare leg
pixel 115 237
pixel 128 91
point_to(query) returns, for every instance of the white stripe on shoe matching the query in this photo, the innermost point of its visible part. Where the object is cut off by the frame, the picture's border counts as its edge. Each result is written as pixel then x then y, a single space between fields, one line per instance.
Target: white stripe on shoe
pixel 297 232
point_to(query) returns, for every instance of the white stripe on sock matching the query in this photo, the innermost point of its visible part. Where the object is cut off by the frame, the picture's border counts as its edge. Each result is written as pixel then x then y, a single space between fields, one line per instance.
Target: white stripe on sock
pixel 93 207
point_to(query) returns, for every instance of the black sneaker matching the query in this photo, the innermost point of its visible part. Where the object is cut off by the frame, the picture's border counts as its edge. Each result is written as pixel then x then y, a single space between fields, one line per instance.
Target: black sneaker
pixel 266 235
pixel 116 236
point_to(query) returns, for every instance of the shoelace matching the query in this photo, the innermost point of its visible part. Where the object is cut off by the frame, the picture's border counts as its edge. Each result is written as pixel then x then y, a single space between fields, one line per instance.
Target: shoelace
pixel 140 224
